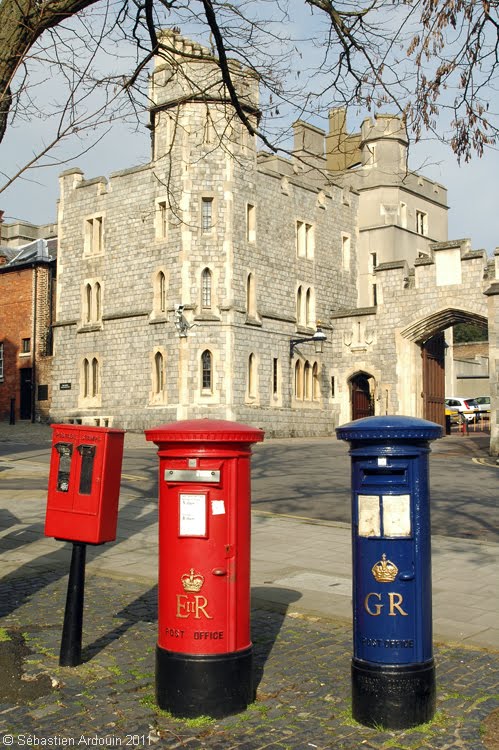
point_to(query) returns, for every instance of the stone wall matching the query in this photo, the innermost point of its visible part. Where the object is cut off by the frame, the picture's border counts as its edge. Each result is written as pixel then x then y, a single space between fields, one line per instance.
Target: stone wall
pixel 385 341
pixel 201 253
pixel 131 335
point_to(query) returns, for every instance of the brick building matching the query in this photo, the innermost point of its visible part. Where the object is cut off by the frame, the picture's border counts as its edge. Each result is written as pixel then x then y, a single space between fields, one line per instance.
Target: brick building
pixel 27 281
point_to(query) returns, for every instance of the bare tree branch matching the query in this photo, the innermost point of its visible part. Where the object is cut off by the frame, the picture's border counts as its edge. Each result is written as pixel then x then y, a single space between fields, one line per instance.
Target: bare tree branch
pixel 433 61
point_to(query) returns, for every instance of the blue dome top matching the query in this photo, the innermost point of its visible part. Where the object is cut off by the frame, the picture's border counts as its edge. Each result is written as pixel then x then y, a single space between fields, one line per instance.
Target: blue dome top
pixel 390 427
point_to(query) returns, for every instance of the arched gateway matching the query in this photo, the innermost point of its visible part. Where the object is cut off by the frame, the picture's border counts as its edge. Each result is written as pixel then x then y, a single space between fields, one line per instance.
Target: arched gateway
pixel 361 395
pixel 401 340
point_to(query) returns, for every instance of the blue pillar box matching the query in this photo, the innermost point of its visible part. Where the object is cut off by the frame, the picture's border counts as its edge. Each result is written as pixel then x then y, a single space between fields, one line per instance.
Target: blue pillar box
pixel 393 671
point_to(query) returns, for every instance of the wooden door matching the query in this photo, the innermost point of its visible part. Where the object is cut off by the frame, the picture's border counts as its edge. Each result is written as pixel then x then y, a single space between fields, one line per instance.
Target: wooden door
pixel 362 404
pixel 433 354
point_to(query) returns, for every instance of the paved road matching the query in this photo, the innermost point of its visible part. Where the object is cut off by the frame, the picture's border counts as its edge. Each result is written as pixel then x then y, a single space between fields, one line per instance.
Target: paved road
pixel 302 651
pixel 312 479
pixel 309 479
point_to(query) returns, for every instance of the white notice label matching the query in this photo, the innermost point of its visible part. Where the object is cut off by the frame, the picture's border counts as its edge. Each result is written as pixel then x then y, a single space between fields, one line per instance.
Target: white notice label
pixel 369 515
pixel 192 514
pixel 218 507
pixel 397 515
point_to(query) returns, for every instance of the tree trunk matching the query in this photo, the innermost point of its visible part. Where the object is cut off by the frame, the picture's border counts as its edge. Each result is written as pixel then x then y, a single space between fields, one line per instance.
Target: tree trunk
pixel 21 23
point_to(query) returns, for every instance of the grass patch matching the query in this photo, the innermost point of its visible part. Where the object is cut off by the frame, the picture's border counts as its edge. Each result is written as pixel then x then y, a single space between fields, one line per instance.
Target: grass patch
pixel 149 701
pixel 346 718
pixel 4 635
pixel 198 723
pixel 141 675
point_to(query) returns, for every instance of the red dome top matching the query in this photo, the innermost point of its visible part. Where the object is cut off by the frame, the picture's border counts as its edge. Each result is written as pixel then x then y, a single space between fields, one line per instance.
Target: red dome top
pixel 205 430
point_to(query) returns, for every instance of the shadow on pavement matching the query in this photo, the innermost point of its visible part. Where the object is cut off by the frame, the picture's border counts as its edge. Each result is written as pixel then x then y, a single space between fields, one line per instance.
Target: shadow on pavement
pixel 266 626
pixel 7 519
pixel 142 609
pixel 55 565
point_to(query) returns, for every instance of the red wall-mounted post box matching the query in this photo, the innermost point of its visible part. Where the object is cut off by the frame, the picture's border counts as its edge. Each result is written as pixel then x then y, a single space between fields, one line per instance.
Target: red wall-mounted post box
pixel 84 483
pixel 204 650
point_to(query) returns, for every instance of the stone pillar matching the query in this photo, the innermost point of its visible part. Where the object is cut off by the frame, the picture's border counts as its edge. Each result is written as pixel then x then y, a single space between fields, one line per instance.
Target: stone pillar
pixel 493 314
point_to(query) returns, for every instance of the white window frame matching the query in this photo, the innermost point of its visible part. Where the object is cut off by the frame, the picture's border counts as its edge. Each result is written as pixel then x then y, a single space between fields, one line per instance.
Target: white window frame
pixel 206 289
pixel 92 302
pixel 161 218
pixel 252 385
pixel 250 222
pixel 305 239
pixel 316 382
pixel 158 377
pixel 206 390
pixel 207 201
pixel 298 380
pixel 251 308
pixel 299 306
pixel 421 223
pixel 403 214
pixel 346 251
pixel 93 233
pixel 90 381
pixel 310 308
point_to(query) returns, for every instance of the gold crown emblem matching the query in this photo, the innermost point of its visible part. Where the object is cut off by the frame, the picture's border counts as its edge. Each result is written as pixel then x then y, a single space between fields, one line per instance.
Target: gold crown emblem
pixel 384 570
pixel 192 581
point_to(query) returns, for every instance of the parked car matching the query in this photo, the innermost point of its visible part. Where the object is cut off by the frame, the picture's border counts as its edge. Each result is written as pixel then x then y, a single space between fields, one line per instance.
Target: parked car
pixel 468 407
pixel 483 403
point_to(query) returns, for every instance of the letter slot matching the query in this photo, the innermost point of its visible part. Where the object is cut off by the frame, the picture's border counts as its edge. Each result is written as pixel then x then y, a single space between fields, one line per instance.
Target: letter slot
pixel 87 453
pixel 65 452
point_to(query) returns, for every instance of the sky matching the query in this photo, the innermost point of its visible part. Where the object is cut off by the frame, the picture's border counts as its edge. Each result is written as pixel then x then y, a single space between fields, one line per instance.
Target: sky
pixel 472 188
pixel 472 192
pixel 473 210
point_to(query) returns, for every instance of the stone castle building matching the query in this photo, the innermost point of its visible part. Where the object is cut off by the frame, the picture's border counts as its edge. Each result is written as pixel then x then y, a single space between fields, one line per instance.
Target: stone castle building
pixel 183 284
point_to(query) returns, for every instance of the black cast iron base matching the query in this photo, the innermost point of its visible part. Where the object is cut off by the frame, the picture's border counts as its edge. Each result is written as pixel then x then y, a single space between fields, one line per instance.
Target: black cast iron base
pixel 217 685
pixel 393 696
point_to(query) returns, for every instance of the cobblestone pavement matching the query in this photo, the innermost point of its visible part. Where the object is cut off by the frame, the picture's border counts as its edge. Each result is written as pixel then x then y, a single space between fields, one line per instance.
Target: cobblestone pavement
pixel 302 669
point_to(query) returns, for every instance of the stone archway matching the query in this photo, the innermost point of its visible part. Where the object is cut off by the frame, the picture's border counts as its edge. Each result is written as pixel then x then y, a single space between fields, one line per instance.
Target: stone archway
pixel 361 395
pixel 414 305
pixel 424 328
pixel 428 334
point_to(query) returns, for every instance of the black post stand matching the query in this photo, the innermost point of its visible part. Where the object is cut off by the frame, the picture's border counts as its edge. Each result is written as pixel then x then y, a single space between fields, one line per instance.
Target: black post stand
pixel 70 654
pixel 12 415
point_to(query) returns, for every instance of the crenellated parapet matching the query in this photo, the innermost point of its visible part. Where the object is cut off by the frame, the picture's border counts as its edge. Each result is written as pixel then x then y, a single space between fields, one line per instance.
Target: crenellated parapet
pixel 187 71
pixel 445 266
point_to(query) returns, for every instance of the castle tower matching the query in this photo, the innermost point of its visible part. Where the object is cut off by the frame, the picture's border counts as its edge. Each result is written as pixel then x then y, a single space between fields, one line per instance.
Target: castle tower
pixel 189 98
pixel 383 144
pixel 401 213
pixel 204 162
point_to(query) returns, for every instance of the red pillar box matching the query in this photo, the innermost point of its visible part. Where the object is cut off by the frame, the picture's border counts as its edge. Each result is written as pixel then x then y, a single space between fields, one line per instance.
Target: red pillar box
pixel 84 483
pixel 204 650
